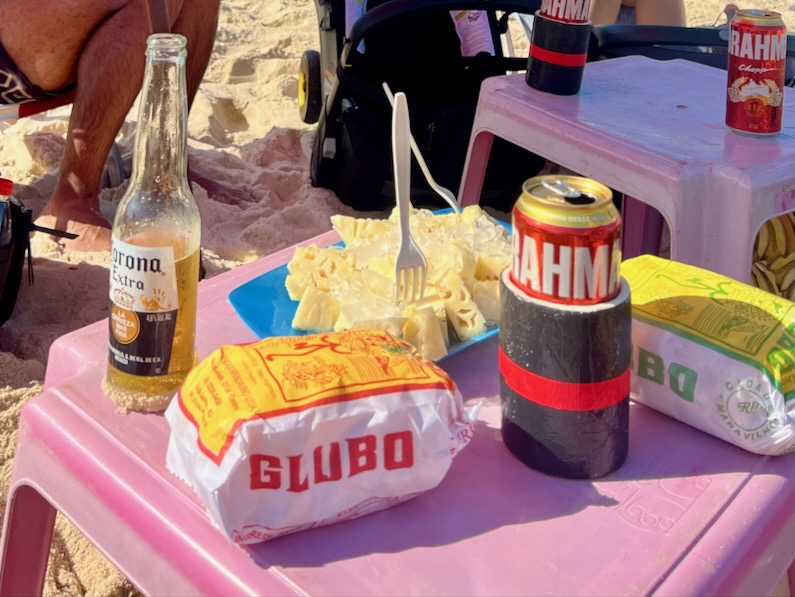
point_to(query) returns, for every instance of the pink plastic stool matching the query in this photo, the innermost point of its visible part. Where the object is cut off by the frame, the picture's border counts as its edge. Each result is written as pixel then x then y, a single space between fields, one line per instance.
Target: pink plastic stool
pixel 653 130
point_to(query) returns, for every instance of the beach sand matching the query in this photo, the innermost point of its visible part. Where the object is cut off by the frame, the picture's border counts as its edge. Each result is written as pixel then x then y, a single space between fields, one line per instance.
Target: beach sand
pixel 245 131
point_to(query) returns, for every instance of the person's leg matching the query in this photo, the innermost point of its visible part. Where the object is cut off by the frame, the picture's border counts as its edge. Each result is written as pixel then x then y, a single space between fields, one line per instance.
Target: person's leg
pixel 604 12
pixel 660 12
pixel 198 21
pixel 194 25
pixel 100 45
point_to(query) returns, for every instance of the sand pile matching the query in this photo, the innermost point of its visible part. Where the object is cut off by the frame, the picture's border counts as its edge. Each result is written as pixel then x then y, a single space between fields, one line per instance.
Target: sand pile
pixel 246 136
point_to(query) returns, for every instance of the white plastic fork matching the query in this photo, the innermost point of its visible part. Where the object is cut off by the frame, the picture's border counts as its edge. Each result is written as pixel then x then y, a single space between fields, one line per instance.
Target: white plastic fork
pixel 410 266
pixel 443 192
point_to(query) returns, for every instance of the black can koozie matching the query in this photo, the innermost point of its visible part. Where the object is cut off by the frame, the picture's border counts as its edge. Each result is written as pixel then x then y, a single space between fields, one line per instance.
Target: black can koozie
pixel 564 382
pixel 558 52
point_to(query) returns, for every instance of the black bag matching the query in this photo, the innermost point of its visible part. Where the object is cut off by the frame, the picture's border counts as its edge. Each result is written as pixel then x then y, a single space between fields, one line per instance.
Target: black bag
pixel 16 223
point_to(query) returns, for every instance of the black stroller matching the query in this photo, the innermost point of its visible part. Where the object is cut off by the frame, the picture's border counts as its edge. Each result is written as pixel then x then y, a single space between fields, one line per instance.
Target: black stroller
pixel 413 46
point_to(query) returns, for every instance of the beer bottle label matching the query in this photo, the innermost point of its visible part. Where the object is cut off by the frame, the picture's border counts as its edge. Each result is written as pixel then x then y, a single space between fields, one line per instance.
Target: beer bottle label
pixel 143 308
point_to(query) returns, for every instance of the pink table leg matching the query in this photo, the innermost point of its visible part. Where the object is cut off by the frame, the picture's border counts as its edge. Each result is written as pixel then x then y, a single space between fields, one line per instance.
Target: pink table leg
pixel 791 578
pixel 642 230
pixel 30 519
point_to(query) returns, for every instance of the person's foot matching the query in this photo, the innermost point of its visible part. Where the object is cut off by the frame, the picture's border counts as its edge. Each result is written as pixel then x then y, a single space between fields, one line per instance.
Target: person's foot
pixel 93 229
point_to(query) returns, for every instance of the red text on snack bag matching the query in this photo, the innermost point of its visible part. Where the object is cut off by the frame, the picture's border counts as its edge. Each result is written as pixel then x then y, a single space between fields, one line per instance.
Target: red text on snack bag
pixel 327 464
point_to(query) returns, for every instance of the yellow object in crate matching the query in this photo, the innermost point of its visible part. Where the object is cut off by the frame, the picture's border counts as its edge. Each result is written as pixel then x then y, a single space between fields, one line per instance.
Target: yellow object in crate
pixel 774 257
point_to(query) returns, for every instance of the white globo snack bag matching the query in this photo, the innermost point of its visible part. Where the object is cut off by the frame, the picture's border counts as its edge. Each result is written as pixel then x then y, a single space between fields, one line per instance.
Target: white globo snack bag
pixel 714 353
pixel 291 433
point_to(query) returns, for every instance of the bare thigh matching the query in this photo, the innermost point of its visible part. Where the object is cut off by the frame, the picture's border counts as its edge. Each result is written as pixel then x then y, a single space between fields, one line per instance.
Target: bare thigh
pixel 46 38
pixel 660 12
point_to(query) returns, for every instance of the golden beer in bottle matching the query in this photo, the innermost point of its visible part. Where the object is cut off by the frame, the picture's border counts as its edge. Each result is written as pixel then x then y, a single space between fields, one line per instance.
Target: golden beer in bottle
pixel 155 253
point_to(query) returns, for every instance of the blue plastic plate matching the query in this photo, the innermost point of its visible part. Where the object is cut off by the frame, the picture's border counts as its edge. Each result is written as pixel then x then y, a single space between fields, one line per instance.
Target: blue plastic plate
pixel 265 307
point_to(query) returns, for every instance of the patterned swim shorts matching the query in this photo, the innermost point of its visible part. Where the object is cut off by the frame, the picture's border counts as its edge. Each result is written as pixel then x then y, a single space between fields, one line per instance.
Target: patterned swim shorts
pixel 14 85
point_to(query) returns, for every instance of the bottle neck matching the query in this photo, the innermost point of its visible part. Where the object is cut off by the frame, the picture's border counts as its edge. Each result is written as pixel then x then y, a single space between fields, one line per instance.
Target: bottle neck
pixel 160 160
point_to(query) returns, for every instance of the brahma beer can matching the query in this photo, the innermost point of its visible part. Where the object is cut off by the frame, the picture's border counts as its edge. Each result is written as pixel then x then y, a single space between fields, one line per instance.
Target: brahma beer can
pixel 757 56
pixel 567 11
pixel 566 241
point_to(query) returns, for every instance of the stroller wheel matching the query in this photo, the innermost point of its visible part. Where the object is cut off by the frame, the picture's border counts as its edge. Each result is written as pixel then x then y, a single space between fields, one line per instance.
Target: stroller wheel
pixel 310 89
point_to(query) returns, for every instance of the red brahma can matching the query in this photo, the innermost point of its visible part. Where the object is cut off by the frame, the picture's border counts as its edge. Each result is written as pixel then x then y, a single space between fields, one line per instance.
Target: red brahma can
pixel 757 55
pixel 567 11
pixel 566 241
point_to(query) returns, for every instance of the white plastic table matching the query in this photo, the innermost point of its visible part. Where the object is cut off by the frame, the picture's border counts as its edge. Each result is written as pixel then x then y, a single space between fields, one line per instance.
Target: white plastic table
pixel 687 514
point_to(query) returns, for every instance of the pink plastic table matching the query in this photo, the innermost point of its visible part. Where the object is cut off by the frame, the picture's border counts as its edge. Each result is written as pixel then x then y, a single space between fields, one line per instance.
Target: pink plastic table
pixel 655 131
pixel 686 515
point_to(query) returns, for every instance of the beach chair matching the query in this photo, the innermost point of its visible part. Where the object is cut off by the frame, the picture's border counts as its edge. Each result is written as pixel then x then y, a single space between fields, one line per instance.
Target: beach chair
pixel 705 45
pixel 114 173
pixel 418 47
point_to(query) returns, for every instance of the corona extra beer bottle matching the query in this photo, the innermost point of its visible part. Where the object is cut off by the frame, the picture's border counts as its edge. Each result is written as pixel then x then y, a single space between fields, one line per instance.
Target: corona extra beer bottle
pixel 155 253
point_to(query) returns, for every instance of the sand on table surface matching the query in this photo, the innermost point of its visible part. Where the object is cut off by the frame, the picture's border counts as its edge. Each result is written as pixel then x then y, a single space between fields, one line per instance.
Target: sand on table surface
pixel 245 131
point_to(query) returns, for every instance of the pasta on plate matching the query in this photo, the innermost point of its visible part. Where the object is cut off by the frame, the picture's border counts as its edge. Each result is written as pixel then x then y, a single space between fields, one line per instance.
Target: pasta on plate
pixel 353 287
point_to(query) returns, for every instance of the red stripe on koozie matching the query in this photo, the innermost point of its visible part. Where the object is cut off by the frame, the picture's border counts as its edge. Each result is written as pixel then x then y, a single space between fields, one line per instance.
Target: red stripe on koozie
pixel 557 57
pixel 563 395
